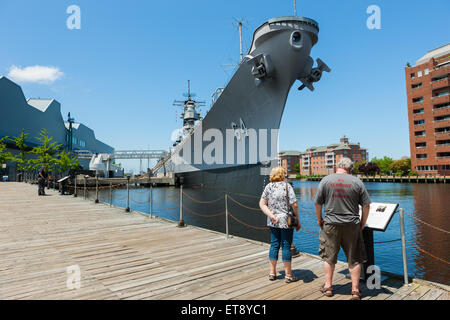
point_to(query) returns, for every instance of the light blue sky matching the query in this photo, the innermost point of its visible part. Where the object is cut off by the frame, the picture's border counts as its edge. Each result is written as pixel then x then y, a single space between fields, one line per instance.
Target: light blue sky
pixel 131 59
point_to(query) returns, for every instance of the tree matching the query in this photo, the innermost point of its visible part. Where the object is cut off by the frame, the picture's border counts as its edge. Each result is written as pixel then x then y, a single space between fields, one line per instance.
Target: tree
pixel 4 155
pixel 369 168
pixel 65 162
pixel 402 166
pixel 356 166
pixel 46 152
pixel 23 164
pixel 383 164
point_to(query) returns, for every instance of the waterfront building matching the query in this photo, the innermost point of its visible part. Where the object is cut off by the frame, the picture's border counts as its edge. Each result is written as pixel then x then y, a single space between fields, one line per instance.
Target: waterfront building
pixel 428 96
pixel 322 160
pixel 288 160
pixel 33 115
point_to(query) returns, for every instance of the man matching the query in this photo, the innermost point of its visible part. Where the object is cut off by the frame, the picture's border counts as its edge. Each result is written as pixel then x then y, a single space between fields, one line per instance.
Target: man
pixel 342 193
pixel 42 178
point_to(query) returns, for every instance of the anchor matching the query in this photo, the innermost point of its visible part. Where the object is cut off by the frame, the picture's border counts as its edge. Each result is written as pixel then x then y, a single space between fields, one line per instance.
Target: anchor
pixel 314 75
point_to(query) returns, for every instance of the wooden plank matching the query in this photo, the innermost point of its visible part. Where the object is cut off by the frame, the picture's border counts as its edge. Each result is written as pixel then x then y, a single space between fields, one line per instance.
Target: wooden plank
pixel 417 293
pixel 432 294
pixel 129 256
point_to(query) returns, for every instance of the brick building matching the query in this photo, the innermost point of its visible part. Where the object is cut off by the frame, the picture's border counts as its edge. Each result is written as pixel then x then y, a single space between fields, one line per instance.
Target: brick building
pixel 322 160
pixel 428 96
pixel 288 160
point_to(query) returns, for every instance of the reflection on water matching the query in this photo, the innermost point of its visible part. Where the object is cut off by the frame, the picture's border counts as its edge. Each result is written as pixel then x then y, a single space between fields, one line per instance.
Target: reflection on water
pixel 428 202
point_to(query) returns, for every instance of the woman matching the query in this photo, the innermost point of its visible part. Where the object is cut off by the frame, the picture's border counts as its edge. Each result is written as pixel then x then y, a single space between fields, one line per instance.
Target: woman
pixel 274 205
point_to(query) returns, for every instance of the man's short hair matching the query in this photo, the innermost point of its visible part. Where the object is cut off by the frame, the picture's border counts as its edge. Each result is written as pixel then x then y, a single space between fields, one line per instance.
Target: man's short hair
pixel 345 163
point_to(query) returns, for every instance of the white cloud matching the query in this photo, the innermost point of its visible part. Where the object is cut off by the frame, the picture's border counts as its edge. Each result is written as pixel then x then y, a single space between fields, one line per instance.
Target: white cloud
pixel 36 74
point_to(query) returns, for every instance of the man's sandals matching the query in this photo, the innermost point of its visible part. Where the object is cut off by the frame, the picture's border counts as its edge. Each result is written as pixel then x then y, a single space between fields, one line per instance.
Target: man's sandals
pixel 356 295
pixel 272 276
pixel 326 290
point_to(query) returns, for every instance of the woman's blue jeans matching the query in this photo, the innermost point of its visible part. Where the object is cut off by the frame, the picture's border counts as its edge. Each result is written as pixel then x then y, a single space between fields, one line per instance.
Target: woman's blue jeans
pixel 281 238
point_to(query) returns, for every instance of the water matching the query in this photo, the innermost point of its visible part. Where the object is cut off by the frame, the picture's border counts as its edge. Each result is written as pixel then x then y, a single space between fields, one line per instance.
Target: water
pixel 428 202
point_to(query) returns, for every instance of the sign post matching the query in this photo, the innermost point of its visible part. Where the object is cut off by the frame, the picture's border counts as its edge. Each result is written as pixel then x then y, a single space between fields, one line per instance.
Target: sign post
pixel 380 215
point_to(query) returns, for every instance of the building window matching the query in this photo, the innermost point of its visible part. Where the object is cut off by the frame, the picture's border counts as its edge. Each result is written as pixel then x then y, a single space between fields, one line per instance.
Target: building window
pixel 419 73
pixel 417 100
pixel 442 118
pixel 441 106
pixel 74 140
pixel 441 94
pixel 419 122
pixel 417 85
pixel 82 143
pixel 442 143
pixel 439 78
pixel 421 145
pixel 420 133
pixel 418 111
pixel 426 71
pixel 443 155
pixel 442 130
pixel 413 75
pixel 421 156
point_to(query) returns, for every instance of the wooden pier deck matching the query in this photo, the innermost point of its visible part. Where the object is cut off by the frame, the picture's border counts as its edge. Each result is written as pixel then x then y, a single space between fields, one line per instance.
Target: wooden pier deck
pixel 130 256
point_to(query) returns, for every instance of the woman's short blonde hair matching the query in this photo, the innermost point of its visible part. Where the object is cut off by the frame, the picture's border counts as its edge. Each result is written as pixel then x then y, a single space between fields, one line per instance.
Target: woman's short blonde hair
pixel 277 174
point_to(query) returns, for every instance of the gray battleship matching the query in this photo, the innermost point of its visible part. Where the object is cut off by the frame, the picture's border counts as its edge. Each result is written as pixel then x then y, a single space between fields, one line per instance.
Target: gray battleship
pixel 232 149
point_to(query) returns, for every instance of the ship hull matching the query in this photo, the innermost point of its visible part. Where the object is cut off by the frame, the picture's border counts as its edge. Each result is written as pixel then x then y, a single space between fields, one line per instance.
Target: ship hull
pixel 205 204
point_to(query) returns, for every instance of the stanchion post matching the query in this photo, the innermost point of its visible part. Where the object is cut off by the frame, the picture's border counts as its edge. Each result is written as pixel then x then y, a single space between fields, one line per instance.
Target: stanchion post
pixel 110 193
pixel 85 182
pixel 128 194
pixel 402 231
pixel 181 221
pixel 96 188
pixel 226 215
pixel 151 201
pixel 75 191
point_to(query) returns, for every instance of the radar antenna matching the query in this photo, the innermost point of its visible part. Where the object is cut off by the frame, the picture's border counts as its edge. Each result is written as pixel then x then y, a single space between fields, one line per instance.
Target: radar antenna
pixel 190 114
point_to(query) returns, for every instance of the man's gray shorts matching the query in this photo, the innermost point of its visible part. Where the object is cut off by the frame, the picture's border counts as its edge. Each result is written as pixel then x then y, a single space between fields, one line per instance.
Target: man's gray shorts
pixel 348 236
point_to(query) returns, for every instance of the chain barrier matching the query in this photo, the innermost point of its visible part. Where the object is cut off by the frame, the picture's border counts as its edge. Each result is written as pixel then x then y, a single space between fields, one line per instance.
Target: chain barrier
pixel 387 241
pixel 309 212
pixel 426 252
pixel 204 202
pixel 427 224
pixel 246 224
pixel 139 202
pixel 163 207
pixel 243 205
pixel 312 232
pixel 203 215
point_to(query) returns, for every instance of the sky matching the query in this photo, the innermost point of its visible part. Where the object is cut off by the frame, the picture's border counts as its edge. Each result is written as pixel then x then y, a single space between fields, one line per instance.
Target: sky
pixel 121 70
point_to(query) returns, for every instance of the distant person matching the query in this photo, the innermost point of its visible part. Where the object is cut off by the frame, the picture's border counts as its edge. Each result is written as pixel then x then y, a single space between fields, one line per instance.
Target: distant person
pixel 342 193
pixel 273 203
pixel 42 178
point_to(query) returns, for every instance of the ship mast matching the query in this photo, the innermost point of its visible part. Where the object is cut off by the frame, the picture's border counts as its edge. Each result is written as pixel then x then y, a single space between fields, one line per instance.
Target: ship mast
pixel 189 114
pixel 295 8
